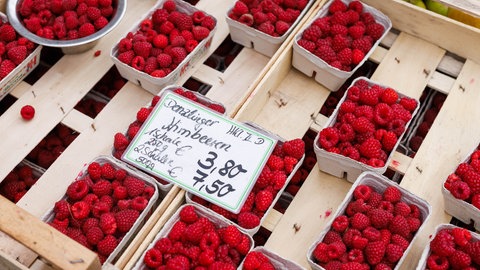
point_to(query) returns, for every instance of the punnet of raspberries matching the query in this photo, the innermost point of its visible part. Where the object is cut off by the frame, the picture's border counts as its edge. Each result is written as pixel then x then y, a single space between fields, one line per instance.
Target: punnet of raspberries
pixel 164 40
pixel 453 248
pixel 102 206
pixel 464 182
pixel 197 241
pixel 368 124
pixel 122 140
pixel 65 19
pixel 343 36
pixel 271 17
pixel 18 182
pixel 373 231
pixel 272 179
pixel 13 49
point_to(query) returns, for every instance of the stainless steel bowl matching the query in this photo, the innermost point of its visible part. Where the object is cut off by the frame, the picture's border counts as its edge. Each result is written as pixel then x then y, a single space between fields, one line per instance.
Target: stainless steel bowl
pixel 73 46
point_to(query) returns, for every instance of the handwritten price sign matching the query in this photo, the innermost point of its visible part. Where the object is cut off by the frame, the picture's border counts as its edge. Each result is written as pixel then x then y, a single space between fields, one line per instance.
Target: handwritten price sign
pixel 202 151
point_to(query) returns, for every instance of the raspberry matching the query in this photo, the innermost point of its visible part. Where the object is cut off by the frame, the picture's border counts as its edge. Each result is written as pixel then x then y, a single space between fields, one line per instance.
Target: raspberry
pixel 178 54
pixel 200 32
pixel 336 249
pixel 362 192
pixel 61 209
pixel 94 235
pixel 107 245
pixel 392 194
pixel 375 30
pixel 126 57
pixel 476 200
pixel 326 53
pixel 248 220
pixel 460 259
pixel 370 148
pixel 263 200
pixel 102 187
pixel 389 96
pixel 239 8
pixel 77 190
pixel 356 31
pixel 290 163
pixel 108 171
pixel 134 186
pixel 346 132
pixel 340 42
pixel 389 140
pixel 369 97
pixel 363 44
pixel 380 218
pixel 125 219
pixel 340 223
pixel 374 252
pixel 312 33
pixel 473 249
pixel 27 112
pixel 80 210
pixel 294 148
pixel 153 258
pixel 436 262
pixel 363 125
pixel 86 29
pixel 460 190
pixel 461 236
pixel 17 54
pixel 188 214
pixel 320 253
pixel 328 137
pixel 336 6
pixel 359 221
pixel 397 126
pixel 107 223
pixel 409 104
pixel 6 66
pixel 142 114
pixel 345 56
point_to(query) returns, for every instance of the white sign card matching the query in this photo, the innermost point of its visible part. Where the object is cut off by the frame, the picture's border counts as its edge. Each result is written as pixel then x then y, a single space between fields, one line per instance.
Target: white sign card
pixel 202 151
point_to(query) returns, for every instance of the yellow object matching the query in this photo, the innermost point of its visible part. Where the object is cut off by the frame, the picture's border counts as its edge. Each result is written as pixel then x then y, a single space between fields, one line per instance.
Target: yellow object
pixel 418 3
pixel 436 7
pixel 463 17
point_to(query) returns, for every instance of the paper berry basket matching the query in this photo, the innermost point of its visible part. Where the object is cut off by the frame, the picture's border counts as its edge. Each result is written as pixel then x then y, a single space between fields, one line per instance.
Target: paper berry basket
pixel 155 84
pixel 342 166
pixel 142 217
pixel 165 186
pixel 8 83
pixel 422 263
pixel 261 42
pixel 276 260
pixel 216 219
pixel 463 210
pixel 313 66
pixel 251 231
pixel 379 184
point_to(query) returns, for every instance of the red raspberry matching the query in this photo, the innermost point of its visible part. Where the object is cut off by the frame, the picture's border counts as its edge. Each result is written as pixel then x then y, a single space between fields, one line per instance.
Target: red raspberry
pixel 473 249
pixel 375 30
pixel 200 32
pixel 340 42
pixel 346 132
pixel 399 225
pixel 94 235
pixel 363 44
pixel 340 223
pixel 126 57
pixel 61 209
pixel 460 190
pixel 326 53
pixel 134 186
pixel 379 218
pixel 153 258
pixel 392 194
pixel 409 104
pixel 436 262
pixel 371 234
pixel 102 187
pixel 86 29
pixel 393 253
pixel 345 56
pixel 362 192
pixel 336 249
pixel 461 236
pixel 143 114
pixel 275 163
pixel 389 96
pixel 370 148
pixel 107 245
pixel 328 137
pixel 397 126
pixel 281 27
pixel 290 163
pixel 312 33
pixel 369 97
pixel 6 66
pixel 188 214
pixel 336 6
pixel 340 18
pixel 294 148
pixel 332 236
pixel 27 112
pixel 248 220
pixel 80 210
pixel 239 8
pixel 356 31
pixel 320 253
pixel 307 45
pixel 383 114
pixel 263 200
pixel 77 190
pixel 476 200
pixel 374 252
pixel 389 140
pixel 359 221
pixel 125 219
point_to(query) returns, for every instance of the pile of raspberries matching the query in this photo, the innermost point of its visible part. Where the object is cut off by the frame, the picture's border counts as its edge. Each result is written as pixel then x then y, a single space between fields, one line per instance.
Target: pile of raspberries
pixel 344 36
pixel 13 49
pixel 372 233
pixel 101 207
pixel 454 248
pixel 271 17
pixel 272 179
pixel 256 260
pixel 195 241
pixel 369 123
pixel 65 19
pixel 18 182
pixel 164 40
pixel 464 183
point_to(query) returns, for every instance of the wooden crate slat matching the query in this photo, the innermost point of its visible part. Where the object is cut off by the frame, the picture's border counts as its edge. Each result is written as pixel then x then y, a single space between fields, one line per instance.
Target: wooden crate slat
pixel 408 65
pixel 308 213
pixel 77 121
pixel 451 138
pixel 8 263
pixel 44 239
pixel 20 89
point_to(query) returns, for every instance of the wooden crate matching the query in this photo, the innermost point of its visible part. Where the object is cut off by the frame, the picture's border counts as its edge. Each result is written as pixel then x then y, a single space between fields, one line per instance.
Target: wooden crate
pixel 254 88
pixel 54 96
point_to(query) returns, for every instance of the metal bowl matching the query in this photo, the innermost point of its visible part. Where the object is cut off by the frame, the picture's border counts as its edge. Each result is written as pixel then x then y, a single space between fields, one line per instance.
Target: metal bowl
pixel 73 46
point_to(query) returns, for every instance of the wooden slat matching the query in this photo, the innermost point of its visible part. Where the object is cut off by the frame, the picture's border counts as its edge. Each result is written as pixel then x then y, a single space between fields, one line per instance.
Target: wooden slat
pixel 471 7
pixel 310 210
pixel 272 220
pixel 427 25
pixel 8 263
pixel 44 239
pixel 450 139
pixel 408 65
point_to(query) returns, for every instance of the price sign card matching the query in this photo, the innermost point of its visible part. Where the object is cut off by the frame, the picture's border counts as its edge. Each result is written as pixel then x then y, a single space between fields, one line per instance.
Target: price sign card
pixel 202 151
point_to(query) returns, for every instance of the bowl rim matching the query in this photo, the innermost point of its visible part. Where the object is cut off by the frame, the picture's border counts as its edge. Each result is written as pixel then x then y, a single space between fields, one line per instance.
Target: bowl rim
pixel 14 20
